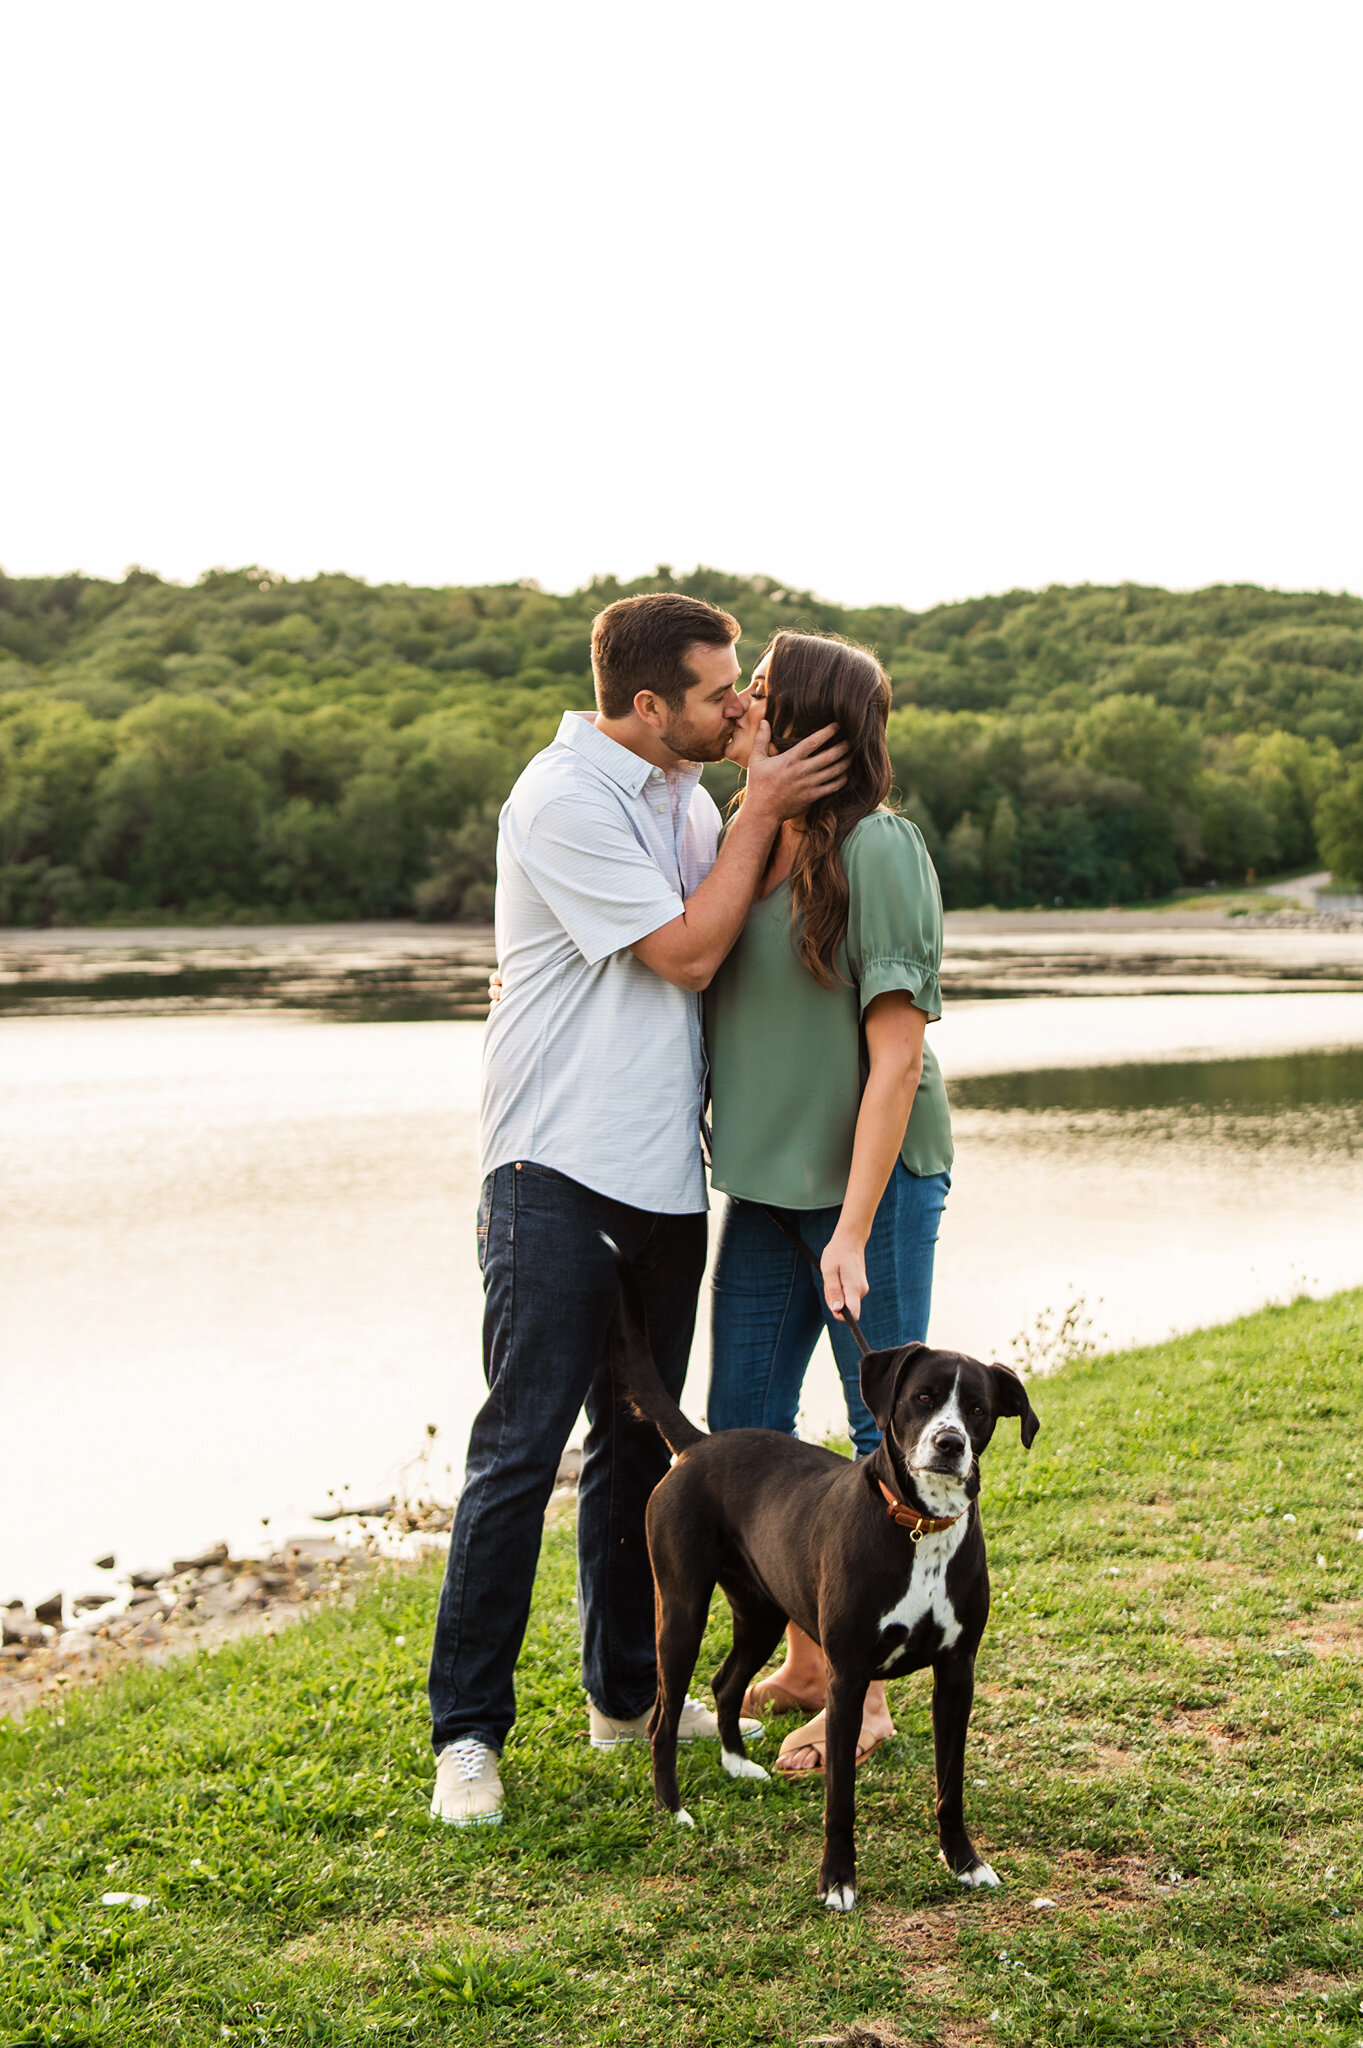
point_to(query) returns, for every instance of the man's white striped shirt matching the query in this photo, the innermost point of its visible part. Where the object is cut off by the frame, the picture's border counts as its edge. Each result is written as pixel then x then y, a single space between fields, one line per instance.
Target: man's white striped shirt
pixel 592 1063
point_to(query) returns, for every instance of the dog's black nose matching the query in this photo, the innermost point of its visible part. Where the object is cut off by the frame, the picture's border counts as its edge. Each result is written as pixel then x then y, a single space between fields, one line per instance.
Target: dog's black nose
pixel 950 1443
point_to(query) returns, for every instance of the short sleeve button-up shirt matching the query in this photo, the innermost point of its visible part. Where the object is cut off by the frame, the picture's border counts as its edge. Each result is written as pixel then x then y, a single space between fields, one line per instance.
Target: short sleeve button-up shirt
pixel 593 1064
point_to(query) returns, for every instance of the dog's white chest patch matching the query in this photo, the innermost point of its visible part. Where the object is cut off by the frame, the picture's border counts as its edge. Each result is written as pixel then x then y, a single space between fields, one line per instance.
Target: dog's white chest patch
pixel 926 1593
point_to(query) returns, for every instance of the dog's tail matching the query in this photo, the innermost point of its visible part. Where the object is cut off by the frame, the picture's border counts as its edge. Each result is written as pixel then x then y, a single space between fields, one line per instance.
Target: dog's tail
pixel 637 1379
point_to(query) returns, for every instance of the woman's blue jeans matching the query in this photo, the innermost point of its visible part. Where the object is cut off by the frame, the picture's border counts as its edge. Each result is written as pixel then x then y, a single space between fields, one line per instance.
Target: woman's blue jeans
pixel 767 1306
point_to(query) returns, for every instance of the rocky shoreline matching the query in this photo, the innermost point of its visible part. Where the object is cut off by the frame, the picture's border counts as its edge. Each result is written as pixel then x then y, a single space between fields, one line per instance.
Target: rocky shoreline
pixel 155 1616
pixel 1302 920
pixel 197 1601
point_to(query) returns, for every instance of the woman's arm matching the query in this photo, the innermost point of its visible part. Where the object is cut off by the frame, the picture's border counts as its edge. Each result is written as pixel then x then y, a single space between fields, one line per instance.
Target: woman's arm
pixel 894 1041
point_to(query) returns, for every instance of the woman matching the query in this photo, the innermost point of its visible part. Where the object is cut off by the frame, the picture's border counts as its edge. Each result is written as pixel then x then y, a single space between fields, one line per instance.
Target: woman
pixel 828 1106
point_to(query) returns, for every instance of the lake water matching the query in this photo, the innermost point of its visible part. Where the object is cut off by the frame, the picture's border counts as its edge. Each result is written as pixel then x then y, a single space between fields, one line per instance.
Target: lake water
pixel 236 1249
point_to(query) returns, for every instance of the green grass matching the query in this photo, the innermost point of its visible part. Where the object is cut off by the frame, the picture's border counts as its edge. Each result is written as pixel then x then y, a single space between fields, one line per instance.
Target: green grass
pixel 1167 1742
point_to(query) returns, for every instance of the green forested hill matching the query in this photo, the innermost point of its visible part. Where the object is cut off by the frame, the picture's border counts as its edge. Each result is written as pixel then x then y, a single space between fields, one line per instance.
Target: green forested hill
pixel 331 749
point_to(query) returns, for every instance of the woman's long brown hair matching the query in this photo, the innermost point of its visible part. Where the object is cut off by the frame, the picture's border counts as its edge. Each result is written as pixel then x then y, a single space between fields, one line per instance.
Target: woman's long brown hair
pixel 815 680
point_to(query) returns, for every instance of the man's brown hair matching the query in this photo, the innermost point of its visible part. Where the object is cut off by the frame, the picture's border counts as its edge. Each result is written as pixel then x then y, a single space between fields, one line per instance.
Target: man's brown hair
pixel 640 643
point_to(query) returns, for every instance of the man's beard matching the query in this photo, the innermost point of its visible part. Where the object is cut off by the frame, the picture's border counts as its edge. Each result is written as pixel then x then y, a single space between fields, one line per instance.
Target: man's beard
pixel 689 744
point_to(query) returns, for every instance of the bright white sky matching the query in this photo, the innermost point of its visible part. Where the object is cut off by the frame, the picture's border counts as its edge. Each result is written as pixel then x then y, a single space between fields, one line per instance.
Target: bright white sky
pixel 896 301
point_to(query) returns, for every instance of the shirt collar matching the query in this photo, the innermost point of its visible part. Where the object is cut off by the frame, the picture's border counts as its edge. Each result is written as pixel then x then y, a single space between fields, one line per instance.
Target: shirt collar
pixel 629 770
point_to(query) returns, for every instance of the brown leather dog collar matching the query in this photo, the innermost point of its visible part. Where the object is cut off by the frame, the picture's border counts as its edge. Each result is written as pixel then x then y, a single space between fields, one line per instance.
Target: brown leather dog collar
pixel 909 1518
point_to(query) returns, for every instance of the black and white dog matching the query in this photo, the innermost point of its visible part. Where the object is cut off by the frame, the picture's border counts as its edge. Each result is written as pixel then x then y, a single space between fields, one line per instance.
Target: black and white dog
pixel 881 1562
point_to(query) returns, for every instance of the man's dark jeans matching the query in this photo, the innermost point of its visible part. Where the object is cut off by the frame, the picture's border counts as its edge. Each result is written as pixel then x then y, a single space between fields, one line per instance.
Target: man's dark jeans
pixel 550 1292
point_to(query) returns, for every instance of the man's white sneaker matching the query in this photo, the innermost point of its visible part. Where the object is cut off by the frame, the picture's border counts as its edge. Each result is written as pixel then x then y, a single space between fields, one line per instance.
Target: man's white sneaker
pixel 697 1723
pixel 467 1787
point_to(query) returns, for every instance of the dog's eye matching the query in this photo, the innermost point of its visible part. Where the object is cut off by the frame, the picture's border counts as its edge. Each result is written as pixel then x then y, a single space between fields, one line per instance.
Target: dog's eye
pixel 977 1410
pixel 925 1400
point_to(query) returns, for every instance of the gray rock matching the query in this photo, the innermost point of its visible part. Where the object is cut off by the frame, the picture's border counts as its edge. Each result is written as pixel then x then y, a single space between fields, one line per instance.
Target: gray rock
pixel 120 1625
pixel 373 1507
pixel 86 1603
pixel 49 1610
pixel 144 1596
pixel 77 1648
pixel 22 1628
pixel 213 1602
pixel 147 1577
pixel 105 1563
pixel 216 1575
pixel 309 1550
pixel 14 1653
pixel 217 1553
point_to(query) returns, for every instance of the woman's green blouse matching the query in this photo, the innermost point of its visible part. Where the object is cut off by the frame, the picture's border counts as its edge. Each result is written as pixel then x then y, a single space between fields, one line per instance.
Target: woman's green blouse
pixel 788 1058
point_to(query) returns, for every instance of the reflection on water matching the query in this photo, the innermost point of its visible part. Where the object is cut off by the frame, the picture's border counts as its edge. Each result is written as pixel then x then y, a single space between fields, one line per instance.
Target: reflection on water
pixel 392 994
pixel 1163 1197
pixel 404 971
pixel 237 1263
pixel 398 973
pixel 1251 1089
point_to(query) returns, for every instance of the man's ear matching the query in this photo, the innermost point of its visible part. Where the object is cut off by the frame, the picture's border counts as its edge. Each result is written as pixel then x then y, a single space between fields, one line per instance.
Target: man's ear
pixel 881 1372
pixel 1010 1398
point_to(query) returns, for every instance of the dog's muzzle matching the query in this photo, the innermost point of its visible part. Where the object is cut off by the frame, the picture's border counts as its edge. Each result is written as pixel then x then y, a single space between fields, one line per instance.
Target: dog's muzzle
pixel 948 1452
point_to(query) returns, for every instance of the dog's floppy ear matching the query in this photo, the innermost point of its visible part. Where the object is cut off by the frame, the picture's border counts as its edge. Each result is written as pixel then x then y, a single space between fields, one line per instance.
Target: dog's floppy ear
pixel 1010 1398
pixel 880 1375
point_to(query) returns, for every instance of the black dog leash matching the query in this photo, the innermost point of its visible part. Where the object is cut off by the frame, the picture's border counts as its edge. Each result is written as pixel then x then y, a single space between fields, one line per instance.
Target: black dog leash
pixel 786 1231
pixel 918 1524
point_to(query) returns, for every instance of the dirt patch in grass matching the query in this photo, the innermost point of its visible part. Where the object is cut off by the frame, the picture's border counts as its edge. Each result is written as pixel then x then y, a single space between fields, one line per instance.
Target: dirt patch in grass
pixel 929 1943
pixel 361 1946
pixel 1300 1984
pixel 861 2034
pixel 928 1939
pixel 1336 1633
pixel 964 2034
pixel 1110 1756
pixel 1199 1721
pixel 1100 1884
pixel 1215 1654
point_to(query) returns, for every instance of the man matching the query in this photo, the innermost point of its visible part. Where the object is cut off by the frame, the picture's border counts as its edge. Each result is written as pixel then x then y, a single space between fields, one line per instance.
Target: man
pixel 613 913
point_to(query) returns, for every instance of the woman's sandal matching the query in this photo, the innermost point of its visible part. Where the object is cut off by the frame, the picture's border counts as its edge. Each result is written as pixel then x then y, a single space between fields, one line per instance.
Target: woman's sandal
pixel 800 1744
pixel 766 1697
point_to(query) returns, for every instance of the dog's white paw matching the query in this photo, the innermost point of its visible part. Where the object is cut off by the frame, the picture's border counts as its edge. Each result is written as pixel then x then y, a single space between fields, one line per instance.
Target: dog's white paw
pixel 682 1819
pixel 980 1875
pixel 840 1898
pixel 741 1766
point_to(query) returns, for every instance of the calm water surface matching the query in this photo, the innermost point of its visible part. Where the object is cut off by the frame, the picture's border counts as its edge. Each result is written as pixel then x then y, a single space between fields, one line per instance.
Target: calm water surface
pixel 236 1251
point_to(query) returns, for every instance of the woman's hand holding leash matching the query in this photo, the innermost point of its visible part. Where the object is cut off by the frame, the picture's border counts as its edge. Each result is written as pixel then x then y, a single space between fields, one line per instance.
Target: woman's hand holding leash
pixel 843 1267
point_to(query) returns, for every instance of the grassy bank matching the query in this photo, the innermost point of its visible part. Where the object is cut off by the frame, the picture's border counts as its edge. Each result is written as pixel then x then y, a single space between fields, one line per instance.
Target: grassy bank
pixel 1168 1744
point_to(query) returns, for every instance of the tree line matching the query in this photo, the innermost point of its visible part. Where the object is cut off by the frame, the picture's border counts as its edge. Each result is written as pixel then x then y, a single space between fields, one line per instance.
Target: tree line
pixel 329 749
